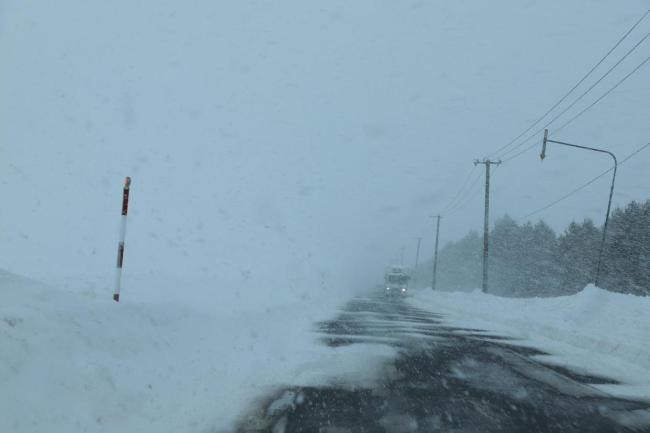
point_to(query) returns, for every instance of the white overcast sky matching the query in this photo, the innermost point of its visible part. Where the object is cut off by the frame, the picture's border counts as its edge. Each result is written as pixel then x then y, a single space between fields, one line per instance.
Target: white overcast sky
pixel 295 137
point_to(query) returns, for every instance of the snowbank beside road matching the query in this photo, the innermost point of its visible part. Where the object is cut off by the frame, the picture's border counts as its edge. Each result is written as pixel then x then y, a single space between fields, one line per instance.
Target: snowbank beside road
pixel 73 362
pixel 594 331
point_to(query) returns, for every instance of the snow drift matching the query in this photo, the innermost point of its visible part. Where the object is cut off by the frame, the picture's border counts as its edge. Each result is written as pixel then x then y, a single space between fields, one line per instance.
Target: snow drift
pixel 77 361
pixel 593 331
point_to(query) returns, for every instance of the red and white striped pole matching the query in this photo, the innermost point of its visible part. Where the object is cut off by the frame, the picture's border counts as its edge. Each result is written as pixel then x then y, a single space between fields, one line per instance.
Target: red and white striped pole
pixel 120 248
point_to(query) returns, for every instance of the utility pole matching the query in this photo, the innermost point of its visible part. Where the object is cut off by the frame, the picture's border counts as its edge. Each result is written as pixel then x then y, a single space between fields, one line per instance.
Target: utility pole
pixel 486 222
pixel 417 260
pixel 435 253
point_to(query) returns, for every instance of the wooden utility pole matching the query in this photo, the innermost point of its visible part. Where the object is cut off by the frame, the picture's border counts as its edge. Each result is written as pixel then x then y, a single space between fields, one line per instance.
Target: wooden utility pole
pixel 415 269
pixel 486 222
pixel 435 253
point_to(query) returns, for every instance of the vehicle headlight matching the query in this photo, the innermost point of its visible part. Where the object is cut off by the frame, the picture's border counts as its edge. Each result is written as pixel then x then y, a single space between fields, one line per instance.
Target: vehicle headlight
pixel 403 290
pixel 387 288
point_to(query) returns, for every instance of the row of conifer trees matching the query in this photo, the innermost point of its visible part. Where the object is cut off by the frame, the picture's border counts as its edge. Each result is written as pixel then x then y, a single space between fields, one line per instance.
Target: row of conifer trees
pixel 532 260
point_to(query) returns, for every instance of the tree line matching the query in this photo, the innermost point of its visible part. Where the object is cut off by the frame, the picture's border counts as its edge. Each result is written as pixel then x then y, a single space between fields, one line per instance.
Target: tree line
pixel 530 259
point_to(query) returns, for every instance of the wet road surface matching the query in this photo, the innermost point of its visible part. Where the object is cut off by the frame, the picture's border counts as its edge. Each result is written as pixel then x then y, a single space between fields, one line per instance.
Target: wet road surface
pixel 444 379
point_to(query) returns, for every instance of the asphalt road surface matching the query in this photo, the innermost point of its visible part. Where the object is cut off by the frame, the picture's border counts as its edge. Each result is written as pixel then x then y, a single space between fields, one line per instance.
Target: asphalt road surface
pixel 444 379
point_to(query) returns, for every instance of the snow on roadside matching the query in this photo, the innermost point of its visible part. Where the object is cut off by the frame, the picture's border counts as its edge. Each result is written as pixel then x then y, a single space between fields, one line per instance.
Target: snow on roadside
pixel 594 331
pixel 81 363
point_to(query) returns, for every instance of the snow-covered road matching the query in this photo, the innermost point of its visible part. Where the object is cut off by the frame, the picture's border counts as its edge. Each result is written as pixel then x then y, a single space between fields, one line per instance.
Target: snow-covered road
pixel 444 378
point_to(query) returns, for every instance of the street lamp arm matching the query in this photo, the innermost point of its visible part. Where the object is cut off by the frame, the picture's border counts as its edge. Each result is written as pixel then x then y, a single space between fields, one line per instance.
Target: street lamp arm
pixel 586 147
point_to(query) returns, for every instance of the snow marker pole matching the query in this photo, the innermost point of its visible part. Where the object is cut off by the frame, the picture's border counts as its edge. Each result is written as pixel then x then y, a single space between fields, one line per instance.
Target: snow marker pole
pixel 120 247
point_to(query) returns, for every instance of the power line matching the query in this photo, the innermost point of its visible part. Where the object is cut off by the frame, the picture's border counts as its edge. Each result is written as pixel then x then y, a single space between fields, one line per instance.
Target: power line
pixel 465 194
pixel 564 197
pixel 460 191
pixel 603 96
pixel 518 154
pixel 565 124
pixel 583 186
pixel 471 193
pixel 579 98
pixel 566 95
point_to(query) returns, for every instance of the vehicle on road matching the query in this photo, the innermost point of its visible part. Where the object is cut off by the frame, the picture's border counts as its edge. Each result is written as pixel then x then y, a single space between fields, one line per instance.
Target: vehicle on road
pixel 396 280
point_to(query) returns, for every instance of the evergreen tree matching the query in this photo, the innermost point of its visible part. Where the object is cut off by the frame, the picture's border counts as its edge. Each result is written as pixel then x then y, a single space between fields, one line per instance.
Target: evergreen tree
pixel 543 276
pixel 523 259
pixel 459 263
pixel 625 262
pixel 577 256
pixel 506 257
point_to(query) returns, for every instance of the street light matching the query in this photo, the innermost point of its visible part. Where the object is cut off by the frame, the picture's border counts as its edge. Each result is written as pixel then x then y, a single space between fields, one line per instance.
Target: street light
pixel 611 191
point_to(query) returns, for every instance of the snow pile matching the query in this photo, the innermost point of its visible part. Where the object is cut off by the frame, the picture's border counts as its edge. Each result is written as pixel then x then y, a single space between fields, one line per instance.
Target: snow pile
pixel 594 331
pixel 79 362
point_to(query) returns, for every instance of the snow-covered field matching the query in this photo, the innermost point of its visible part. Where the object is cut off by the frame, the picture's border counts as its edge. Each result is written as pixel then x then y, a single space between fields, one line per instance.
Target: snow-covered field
pixel 78 362
pixel 594 331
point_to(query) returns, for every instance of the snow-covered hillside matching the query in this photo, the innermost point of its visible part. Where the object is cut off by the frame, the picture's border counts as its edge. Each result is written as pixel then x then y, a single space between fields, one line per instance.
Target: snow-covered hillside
pixel 594 331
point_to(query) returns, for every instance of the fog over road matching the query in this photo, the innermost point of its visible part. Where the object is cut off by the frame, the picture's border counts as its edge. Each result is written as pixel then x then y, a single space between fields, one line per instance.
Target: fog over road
pixel 444 379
